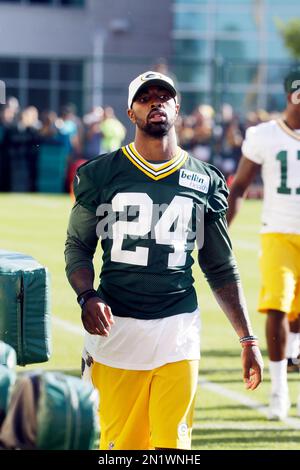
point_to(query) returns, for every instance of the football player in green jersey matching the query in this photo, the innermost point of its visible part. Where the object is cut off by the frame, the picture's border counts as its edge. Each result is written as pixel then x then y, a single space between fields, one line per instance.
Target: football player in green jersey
pixel 149 202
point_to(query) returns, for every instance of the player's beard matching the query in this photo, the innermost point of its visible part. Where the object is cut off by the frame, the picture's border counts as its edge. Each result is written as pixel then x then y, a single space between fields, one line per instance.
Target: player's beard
pixel 155 129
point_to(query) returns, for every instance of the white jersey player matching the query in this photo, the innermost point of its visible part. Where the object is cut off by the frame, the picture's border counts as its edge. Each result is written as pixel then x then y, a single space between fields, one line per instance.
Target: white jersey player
pixel 275 148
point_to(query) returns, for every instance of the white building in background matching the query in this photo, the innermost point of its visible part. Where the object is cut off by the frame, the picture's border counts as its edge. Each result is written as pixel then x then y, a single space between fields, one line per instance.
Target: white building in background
pixel 55 52
pixel 233 52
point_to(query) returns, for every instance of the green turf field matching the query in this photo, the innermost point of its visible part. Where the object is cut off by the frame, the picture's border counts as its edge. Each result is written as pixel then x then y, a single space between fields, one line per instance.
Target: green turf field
pixel 36 225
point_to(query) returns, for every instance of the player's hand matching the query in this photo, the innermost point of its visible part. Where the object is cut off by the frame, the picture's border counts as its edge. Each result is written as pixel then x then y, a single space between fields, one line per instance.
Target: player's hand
pixel 96 317
pixel 253 365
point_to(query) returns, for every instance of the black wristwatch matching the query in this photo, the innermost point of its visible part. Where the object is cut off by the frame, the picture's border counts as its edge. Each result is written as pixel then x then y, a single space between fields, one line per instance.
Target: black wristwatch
pixel 86 295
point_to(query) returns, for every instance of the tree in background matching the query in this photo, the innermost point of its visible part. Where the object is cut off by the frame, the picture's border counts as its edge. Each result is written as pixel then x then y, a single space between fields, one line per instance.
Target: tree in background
pixel 290 33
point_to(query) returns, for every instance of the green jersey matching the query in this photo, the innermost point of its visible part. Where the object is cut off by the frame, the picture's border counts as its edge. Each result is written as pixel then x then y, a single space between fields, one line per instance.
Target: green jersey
pixel 148 217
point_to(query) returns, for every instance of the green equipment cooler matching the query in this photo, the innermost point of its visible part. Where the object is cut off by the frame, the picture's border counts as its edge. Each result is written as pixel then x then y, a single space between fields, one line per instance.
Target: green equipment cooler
pixel 25 307
pixel 50 411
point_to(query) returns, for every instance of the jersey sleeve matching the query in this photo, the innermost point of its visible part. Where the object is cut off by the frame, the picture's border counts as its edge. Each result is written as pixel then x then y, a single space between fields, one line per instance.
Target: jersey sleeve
pixel 216 258
pixel 252 147
pixel 217 197
pixel 81 239
pixel 86 192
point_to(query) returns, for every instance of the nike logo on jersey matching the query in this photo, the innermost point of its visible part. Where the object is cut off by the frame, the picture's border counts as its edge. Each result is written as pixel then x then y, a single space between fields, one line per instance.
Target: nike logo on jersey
pixel 191 179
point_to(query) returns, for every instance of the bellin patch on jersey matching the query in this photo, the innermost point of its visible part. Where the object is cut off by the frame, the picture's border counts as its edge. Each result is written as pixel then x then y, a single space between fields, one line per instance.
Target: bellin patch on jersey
pixel 191 179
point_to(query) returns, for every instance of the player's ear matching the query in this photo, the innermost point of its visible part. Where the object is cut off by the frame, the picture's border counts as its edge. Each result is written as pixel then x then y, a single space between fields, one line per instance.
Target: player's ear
pixel 131 115
pixel 177 108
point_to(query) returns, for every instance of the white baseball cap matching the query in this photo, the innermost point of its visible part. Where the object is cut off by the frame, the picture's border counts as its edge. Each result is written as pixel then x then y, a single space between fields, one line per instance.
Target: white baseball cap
pixel 150 78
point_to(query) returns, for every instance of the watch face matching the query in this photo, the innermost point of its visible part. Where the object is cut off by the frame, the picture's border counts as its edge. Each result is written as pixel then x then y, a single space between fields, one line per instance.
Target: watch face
pixel 81 302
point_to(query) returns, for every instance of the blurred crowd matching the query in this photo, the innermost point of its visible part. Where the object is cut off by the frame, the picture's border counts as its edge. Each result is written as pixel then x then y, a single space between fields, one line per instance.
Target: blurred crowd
pixel 23 131
pixel 207 135
pixel 217 137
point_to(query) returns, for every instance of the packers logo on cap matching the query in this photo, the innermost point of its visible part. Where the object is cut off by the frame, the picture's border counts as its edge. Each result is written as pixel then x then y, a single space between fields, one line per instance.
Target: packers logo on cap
pixel 151 75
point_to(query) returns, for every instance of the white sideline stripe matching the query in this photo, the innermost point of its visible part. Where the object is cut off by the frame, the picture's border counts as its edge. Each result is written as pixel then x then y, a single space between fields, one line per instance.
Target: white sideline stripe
pixel 293 423
pixel 68 326
pixel 246 246
pixel 237 425
pixel 254 228
pixel 45 202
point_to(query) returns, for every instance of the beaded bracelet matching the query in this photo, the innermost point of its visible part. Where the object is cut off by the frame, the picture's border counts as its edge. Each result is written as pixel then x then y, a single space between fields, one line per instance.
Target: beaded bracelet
pixel 248 338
